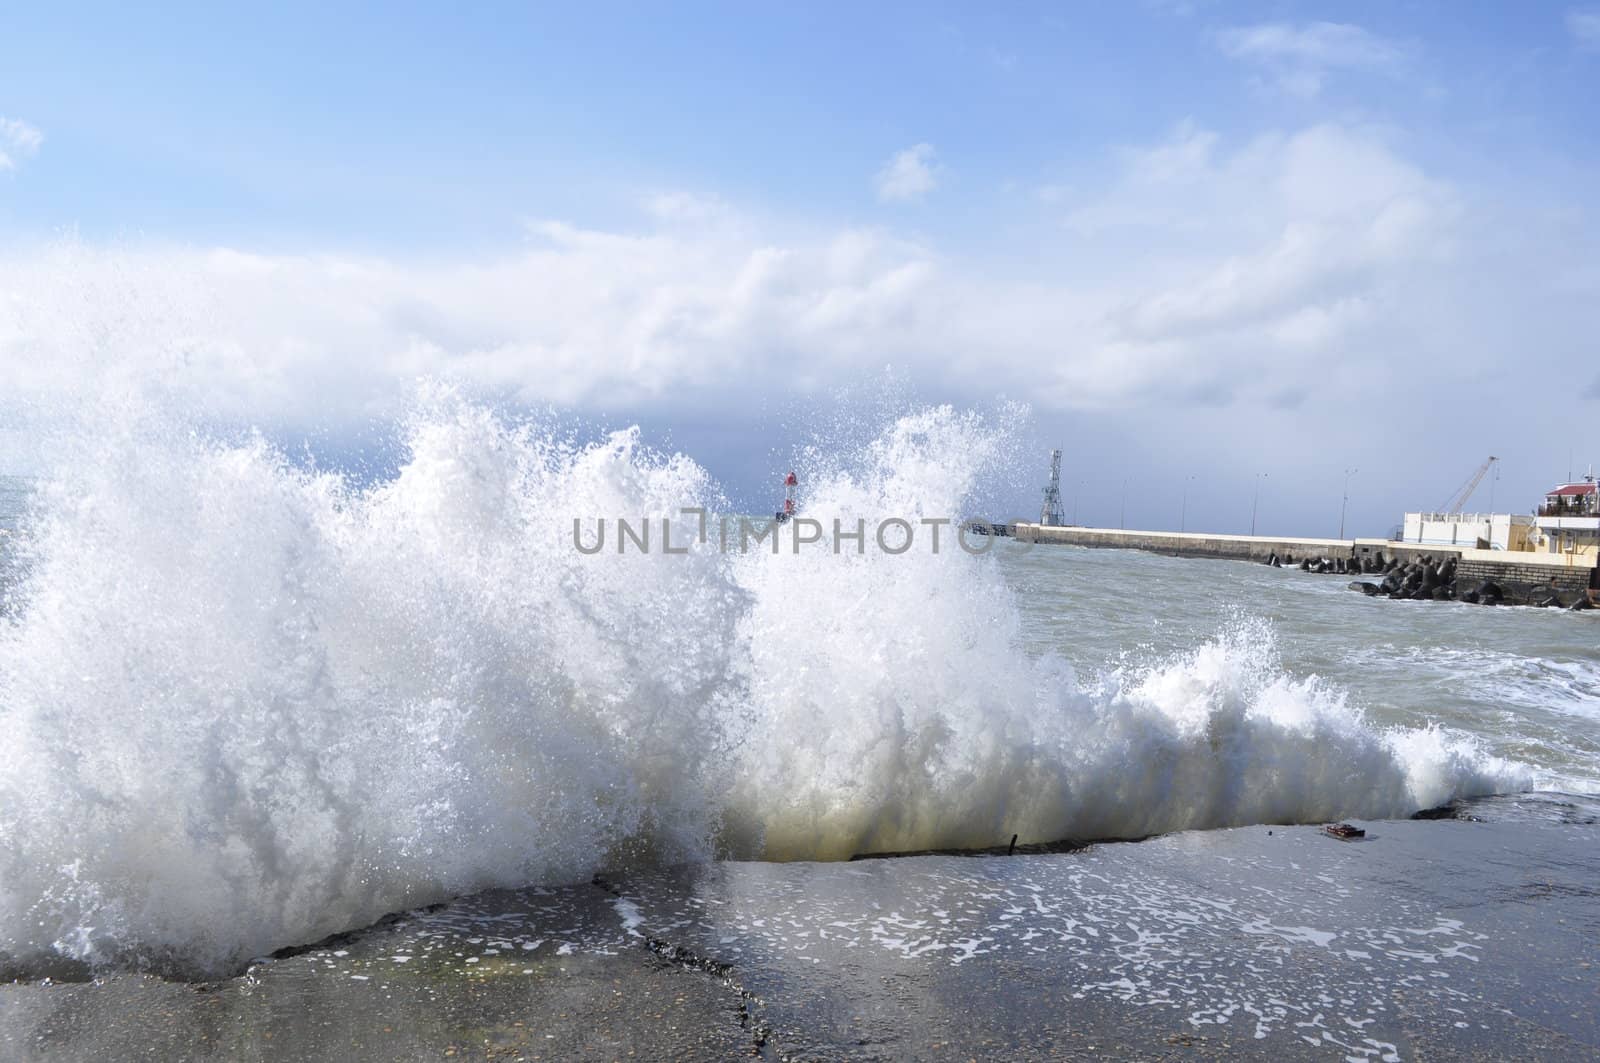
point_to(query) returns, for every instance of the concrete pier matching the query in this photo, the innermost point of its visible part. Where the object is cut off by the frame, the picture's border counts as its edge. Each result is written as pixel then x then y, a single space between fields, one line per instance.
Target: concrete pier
pixel 1523 575
pixel 1188 544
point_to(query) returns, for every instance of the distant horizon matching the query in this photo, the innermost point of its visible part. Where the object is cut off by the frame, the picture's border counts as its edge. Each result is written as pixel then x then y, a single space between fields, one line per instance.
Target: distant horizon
pixel 369 470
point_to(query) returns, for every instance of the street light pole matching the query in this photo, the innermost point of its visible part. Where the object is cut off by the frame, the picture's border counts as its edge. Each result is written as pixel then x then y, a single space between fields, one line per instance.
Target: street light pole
pixel 1346 501
pixel 1075 495
pixel 1254 500
pixel 1122 518
pixel 1183 515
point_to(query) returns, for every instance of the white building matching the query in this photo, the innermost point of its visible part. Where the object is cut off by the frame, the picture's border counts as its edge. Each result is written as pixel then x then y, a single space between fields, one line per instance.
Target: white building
pixel 1480 531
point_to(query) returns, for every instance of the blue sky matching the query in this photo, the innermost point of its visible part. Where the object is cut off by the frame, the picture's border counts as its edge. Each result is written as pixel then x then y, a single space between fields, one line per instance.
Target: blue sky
pixel 1227 238
pixel 403 127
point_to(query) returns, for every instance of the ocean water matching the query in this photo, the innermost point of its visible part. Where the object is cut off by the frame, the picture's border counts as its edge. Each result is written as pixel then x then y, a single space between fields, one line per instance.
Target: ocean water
pixel 13 500
pixel 249 704
pixel 14 495
pixel 1523 683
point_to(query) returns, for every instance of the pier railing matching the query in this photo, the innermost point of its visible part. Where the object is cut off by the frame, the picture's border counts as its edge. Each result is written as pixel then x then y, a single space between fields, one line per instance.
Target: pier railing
pixel 1457 518
pixel 1570 509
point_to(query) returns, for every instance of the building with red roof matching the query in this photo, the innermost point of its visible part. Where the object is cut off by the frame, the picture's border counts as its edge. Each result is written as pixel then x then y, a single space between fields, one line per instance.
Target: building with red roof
pixel 1569 520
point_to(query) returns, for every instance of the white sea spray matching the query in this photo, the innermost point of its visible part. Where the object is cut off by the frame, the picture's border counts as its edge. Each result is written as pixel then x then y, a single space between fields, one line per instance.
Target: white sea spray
pixel 246 704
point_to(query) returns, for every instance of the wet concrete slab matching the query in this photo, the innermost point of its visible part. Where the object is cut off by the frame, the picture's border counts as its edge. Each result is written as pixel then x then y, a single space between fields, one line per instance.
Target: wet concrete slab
pixel 440 985
pixel 1449 939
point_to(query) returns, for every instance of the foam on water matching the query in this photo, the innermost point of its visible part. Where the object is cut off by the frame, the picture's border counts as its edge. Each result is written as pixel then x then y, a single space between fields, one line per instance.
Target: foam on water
pixel 247 705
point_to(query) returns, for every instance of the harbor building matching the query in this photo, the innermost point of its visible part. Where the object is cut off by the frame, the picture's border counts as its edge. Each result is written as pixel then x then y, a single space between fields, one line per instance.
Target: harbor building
pixel 1569 520
pixel 1568 524
pixel 1450 525
pixel 1474 531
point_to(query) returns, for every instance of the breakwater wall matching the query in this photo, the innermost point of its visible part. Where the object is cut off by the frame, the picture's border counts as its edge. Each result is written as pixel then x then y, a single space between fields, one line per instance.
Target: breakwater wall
pixel 1189 544
pixel 1531 576
pixel 1520 578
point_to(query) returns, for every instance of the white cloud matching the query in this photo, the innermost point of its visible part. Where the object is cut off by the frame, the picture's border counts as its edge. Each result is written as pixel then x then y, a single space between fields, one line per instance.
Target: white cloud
pixel 1184 155
pixel 1310 234
pixel 581 318
pixel 18 140
pixel 1299 57
pixel 678 206
pixel 1585 28
pixel 909 175
pixel 1319 271
pixel 1321 43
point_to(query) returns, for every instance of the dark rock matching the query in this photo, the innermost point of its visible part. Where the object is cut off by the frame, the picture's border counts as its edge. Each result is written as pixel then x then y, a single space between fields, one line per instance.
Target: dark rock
pixel 1369 589
pixel 1450 811
pixel 1470 597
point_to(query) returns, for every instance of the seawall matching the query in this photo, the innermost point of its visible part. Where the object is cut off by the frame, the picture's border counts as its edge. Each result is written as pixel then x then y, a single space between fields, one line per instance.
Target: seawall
pixel 1189 544
pixel 1523 576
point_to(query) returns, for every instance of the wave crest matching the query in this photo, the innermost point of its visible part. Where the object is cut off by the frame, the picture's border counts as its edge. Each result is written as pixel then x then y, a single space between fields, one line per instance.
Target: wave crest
pixel 248 705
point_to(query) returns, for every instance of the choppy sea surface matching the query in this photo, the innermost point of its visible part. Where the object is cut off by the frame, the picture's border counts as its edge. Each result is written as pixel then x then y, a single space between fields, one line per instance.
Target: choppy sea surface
pixel 13 499
pixel 14 494
pixel 250 704
pixel 1523 682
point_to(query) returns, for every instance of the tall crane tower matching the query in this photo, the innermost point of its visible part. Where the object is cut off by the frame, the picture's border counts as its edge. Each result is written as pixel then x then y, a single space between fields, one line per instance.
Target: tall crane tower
pixel 1050 512
pixel 1454 503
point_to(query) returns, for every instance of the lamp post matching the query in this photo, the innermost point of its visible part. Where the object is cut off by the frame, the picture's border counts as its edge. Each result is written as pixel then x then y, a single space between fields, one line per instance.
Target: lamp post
pixel 1122 517
pixel 1255 499
pixel 1183 514
pixel 1346 500
pixel 1075 495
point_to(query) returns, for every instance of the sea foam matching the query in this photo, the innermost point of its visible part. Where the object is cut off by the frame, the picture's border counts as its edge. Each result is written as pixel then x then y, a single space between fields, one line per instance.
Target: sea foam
pixel 248 704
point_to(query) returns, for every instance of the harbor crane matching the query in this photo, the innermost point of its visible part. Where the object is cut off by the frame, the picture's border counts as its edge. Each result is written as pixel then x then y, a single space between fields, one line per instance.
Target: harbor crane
pixel 1050 513
pixel 1459 498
